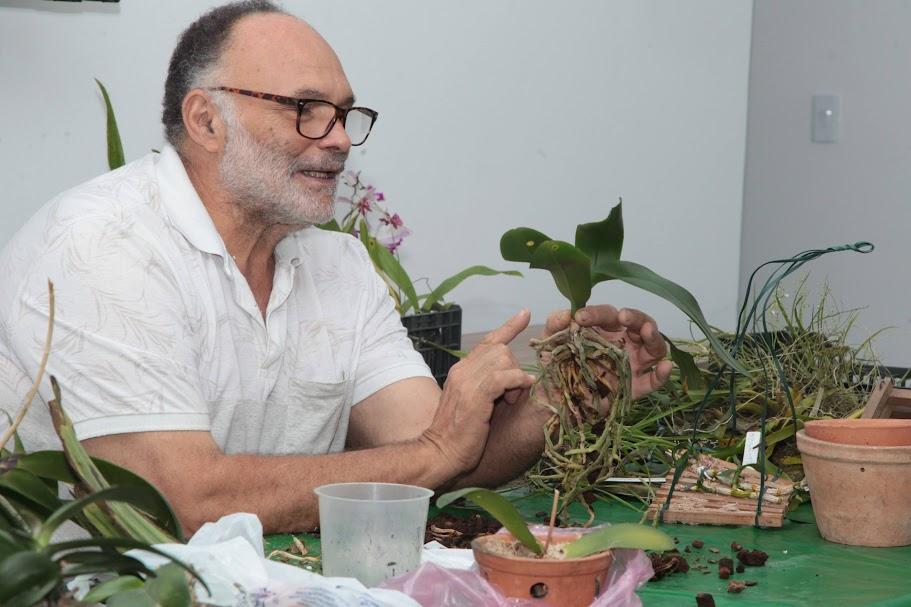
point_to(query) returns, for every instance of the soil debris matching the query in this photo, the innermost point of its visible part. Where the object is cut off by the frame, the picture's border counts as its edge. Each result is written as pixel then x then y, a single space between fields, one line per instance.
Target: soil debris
pixel 714 550
pixel 667 563
pixel 457 532
pixel 725 568
pixel 698 544
pixel 750 582
pixel 704 599
pixel 736 586
pixel 736 547
pixel 740 568
pixel 752 558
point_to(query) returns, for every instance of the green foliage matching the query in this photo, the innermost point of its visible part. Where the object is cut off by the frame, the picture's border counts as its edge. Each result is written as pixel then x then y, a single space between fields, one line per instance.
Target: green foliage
pixel 596 258
pixel 625 535
pixel 115 147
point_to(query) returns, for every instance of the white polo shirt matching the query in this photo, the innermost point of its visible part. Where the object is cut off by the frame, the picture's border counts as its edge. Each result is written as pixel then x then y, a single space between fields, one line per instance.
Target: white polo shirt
pixel 157 329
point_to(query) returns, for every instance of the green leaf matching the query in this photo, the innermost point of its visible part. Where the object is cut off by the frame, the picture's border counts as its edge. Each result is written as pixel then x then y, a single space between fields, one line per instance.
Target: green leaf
pixel 115 147
pixel 105 590
pixel 570 267
pixel 519 244
pixel 689 372
pixel 387 264
pixel 132 495
pixel 24 486
pixel 53 465
pixel 453 281
pixel 644 278
pixel 330 226
pixel 622 535
pixel 131 598
pixel 602 240
pixel 500 508
pixel 91 562
pixel 169 587
pixel 26 578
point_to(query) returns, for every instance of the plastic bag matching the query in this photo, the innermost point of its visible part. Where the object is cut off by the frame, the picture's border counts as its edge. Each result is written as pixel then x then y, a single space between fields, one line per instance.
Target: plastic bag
pixel 450 578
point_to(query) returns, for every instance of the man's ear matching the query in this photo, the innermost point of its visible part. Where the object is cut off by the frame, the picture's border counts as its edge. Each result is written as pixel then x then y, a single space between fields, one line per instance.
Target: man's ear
pixel 202 121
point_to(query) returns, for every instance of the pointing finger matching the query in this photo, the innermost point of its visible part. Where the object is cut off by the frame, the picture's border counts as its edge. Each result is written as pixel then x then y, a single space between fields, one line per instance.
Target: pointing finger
pixel 508 330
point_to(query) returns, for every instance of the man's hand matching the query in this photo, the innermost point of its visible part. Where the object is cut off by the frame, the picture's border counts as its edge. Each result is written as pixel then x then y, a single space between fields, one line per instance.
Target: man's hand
pixel 462 421
pixel 637 332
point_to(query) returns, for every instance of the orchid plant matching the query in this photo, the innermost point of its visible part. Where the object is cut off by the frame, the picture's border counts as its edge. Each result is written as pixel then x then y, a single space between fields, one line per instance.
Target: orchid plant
pixel 383 232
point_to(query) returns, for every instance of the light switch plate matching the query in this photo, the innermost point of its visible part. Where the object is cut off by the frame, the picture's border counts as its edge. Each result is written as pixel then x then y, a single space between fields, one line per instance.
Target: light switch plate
pixel 826 121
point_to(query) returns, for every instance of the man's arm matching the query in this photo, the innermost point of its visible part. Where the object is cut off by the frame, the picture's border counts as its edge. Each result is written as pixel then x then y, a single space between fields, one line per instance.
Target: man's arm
pixel 425 439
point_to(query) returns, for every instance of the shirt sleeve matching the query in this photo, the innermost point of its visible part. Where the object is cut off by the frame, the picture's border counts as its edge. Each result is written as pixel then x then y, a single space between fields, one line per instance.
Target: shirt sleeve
pixel 123 349
pixel 387 354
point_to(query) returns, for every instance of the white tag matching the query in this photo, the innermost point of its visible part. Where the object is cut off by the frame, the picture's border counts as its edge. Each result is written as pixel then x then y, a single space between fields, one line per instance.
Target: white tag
pixel 751 448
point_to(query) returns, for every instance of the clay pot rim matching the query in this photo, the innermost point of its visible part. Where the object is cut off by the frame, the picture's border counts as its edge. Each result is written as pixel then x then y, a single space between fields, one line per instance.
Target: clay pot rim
pixel 862 423
pixel 477 545
pixel 852 453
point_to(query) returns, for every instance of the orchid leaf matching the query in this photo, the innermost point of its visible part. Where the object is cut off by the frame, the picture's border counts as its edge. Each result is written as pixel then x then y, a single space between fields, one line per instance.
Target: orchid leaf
pixel 93 563
pixel 387 264
pixel 570 267
pixel 105 590
pixel 26 578
pixel 169 587
pixel 519 244
pixel 622 535
pixel 115 147
pixel 453 281
pixel 689 372
pixel 330 226
pixel 132 598
pixel 500 508
pixel 602 240
pixel 644 278
pixel 25 487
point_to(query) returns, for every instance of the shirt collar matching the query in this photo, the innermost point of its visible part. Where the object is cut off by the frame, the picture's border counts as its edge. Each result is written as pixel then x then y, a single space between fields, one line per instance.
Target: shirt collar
pixel 184 207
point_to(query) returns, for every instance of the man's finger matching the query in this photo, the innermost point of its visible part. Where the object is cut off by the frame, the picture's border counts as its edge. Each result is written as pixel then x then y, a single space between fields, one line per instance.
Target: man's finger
pixel 508 330
pixel 649 382
pixel 633 319
pixel 652 340
pixel 556 322
pixel 604 316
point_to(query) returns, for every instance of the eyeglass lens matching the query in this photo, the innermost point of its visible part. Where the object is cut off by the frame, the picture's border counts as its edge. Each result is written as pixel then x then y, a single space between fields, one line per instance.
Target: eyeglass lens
pixel 316 116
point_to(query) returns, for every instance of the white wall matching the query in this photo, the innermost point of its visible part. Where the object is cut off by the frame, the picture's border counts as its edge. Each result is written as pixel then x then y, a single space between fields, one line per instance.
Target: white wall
pixel 801 195
pixel 493 115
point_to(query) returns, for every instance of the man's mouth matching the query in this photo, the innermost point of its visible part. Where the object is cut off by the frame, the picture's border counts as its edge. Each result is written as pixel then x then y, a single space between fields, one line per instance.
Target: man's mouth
pixel 326 175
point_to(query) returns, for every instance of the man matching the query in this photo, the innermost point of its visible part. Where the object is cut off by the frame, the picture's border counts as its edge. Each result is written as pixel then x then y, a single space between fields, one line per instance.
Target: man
pixel 207 338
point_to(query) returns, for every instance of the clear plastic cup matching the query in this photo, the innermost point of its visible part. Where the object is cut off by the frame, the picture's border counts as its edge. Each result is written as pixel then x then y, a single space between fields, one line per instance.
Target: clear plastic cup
pixel 371 531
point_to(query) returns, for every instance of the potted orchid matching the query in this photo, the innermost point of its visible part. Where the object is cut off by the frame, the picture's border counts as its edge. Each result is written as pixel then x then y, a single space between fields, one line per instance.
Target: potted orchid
pixel 434 325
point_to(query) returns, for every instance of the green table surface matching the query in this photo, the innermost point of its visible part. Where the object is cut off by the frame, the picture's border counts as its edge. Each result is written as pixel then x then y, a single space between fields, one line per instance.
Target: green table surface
pixel 803 569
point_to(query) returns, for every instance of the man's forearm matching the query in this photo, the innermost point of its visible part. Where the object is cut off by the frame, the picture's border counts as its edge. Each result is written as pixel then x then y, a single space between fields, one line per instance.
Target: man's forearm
pixel 515 443
pixel 204 484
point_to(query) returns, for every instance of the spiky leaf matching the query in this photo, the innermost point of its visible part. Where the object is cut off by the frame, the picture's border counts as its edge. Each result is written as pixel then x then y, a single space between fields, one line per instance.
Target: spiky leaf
pixel 105 590
pixel 623 535
pixel 26 578
pixel 500 508
pixel 519 244
pixel 115 147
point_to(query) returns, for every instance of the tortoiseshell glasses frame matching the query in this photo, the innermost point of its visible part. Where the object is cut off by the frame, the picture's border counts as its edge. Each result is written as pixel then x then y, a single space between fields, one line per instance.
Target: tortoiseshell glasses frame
pixel 314 112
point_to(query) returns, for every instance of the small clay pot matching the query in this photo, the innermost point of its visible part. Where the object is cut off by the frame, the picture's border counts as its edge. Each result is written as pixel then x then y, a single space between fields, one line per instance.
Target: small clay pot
pixel 860 493
pixel 558 583
pixel 868 432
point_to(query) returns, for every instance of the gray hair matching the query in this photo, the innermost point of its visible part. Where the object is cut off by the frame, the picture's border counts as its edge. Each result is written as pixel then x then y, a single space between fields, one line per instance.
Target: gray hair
pixel 196 57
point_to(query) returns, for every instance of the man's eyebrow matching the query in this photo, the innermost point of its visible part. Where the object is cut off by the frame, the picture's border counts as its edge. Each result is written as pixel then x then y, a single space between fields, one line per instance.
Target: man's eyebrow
pixel 318 94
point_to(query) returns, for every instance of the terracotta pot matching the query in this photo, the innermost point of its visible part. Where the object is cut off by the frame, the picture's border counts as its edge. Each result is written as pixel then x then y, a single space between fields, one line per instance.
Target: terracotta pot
pixel 878 432
pixel 558 583
pixel 860 493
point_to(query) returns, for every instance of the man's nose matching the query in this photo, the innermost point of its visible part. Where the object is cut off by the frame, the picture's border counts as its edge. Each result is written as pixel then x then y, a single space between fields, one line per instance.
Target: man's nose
pixel 337 138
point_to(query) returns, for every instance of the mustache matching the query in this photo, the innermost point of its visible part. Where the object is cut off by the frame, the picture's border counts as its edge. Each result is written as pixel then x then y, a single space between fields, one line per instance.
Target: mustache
pixel 333 163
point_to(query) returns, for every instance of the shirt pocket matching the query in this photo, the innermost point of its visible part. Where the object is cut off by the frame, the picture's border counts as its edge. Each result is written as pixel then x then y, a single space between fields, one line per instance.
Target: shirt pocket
pixel 317 412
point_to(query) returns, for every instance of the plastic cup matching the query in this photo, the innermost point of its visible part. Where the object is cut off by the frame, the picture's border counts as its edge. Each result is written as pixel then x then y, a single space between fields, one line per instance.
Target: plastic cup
pixel 371 531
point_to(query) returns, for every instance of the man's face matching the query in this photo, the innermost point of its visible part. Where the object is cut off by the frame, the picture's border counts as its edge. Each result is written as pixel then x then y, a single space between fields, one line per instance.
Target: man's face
pixel 267 168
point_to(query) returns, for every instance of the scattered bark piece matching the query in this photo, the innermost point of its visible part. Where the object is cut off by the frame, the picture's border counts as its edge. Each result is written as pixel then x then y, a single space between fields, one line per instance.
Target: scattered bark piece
pixel 687 549
pixel 740 568
pixel 456 532
pixel 736 586
pixel 725 568
pixel 712 561
pixel 704 599
pixel 750 582
pixel 714 550
pixel 698 544
pixel 666 564
pixel 736 547
pixel 752 558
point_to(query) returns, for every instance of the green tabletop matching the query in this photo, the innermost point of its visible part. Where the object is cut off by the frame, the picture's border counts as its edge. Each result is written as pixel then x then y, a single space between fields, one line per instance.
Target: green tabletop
pixel 803 569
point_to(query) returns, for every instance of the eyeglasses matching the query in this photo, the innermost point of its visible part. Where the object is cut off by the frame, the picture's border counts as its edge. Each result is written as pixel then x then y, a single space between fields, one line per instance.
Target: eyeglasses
pixel 315 117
